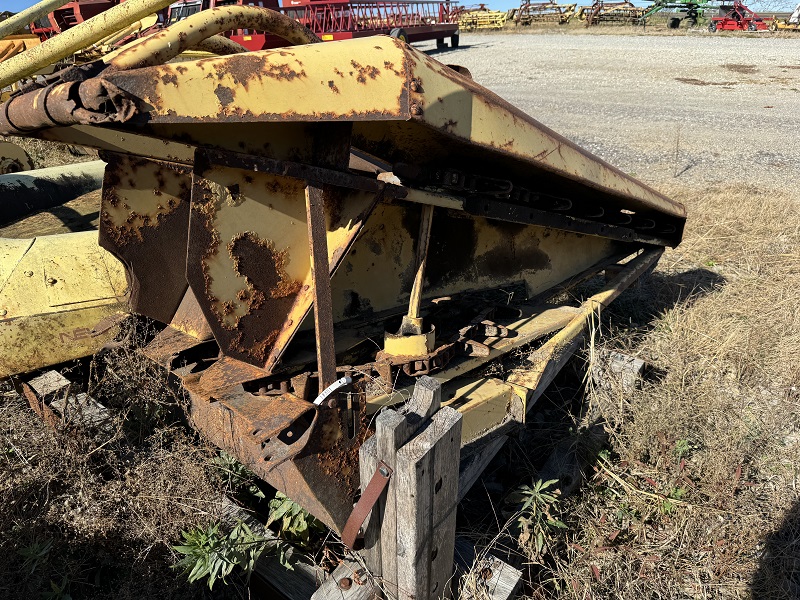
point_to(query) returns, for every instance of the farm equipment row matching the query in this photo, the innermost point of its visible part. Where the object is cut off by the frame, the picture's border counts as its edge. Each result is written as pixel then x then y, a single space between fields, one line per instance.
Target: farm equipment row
pixel 316 227
pixel 474 18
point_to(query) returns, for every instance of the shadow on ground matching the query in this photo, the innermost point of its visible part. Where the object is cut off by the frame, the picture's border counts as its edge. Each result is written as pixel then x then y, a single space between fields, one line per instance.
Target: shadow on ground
pixel 778 575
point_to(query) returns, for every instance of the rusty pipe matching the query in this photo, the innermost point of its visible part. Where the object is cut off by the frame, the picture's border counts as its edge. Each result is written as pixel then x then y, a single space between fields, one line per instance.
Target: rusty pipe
pixel 22 19
pixel 188 33
pixel 92 102
pixel 77 38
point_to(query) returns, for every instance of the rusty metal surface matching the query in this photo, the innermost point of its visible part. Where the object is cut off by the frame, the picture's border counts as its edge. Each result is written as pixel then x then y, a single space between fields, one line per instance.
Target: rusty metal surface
pixel 39 406
pixel 321 282
pixel 144 221
pixel 369 498
pixel 248 261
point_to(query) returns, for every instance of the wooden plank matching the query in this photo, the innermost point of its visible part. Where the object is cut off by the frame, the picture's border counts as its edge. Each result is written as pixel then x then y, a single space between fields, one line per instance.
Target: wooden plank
pixel 424 523
pixel 446 458
pixel 349 581
pixel 490 578
pixel 392 430
pixel 367 463
pixel 320 274
pixel 475 463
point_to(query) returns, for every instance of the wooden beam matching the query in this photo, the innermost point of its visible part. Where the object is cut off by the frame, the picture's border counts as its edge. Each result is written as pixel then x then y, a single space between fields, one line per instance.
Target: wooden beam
pixel 427 480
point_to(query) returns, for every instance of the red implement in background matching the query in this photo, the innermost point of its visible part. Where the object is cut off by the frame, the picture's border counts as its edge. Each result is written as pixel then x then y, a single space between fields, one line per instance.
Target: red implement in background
pixel 69 15
pixel 738 18
pixel 408 20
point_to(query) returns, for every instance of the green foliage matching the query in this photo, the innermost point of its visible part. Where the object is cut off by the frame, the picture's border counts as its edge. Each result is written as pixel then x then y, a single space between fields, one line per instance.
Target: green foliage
pixel 295 524
pixel 682 448
pixel 534 515
pixel 58 591
pixel 35 554
pixel 207 552
pixel 237 477
pixel 667 506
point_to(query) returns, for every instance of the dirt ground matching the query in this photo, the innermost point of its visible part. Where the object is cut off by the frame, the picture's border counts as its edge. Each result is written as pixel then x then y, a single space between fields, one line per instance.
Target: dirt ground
pixel 695 493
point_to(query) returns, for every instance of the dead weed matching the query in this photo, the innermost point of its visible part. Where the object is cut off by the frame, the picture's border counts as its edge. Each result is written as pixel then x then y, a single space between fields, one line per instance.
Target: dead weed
pixel 93 512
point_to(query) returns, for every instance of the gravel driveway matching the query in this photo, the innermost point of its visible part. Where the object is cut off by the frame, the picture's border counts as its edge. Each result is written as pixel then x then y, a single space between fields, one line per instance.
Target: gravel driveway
pixel 696 109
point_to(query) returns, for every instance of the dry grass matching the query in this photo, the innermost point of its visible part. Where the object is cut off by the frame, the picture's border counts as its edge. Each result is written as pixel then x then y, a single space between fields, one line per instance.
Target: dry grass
pixel 697 496
pixel 104 506
pixel 51 154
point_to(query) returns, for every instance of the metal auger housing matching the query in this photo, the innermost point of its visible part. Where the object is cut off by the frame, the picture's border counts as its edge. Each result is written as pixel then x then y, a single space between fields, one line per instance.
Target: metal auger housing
pixel 282 210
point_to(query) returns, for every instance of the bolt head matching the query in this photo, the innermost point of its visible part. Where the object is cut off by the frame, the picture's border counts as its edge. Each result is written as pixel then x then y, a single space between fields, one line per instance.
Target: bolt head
pixel 28 273
pixel 345 583
pixel 3 312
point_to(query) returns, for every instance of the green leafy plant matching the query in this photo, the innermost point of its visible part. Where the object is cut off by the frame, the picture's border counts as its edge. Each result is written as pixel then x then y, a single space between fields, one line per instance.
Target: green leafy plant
pixel 534 516
pixel 295 524
pixel 58 591
pixel 682 448
pixel 667 505
pixel 208 552
pixel 35 554
pixel 236 475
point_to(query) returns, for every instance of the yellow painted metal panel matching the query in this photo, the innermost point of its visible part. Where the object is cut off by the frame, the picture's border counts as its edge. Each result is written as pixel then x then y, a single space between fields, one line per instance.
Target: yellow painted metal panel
pixel 52 295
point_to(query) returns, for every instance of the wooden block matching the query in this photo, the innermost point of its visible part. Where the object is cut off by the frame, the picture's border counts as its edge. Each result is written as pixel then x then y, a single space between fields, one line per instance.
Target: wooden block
pixel 81 409
pixel 626 369
pixel 427 487
pixel 349 581
pixel 50 385
pixel 490 578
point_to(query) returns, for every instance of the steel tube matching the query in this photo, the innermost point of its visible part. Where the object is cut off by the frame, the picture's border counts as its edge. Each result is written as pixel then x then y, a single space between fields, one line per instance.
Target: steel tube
pixel 188 33
pixel 22 19
pixel 77 38
pixel 31 191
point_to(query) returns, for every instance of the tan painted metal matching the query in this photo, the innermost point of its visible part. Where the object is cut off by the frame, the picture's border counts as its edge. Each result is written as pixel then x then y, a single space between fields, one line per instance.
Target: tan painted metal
pixel 77 38
pixel 395 84
pixel 16 44
pixel 53 291
pixel 191 31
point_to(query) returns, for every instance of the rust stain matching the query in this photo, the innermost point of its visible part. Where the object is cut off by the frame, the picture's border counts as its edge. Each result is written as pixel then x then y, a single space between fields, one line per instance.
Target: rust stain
pixel 364 71
pixel 224 94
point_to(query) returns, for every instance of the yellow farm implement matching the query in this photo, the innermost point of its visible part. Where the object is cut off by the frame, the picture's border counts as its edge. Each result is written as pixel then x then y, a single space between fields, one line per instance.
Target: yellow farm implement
pixel 317 227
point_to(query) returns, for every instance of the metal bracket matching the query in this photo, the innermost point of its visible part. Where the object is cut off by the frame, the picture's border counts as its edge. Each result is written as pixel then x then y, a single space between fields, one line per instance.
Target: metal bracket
pixel 372 493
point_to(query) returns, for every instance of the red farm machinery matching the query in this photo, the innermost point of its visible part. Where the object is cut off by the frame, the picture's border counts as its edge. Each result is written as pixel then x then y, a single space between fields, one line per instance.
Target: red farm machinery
pixel 407 20
pixel 738 18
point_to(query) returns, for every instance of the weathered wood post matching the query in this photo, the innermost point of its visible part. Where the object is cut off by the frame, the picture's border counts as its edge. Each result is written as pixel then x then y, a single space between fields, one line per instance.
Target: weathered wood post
pixel 410 537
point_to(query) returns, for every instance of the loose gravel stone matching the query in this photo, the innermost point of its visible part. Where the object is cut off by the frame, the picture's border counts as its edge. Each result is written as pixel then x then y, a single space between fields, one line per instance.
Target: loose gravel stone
pixel 695 109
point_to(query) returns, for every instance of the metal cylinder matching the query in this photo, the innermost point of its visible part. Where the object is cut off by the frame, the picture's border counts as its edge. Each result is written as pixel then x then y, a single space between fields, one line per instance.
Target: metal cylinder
pixel 22 19
pixel 193 30
pixel 30 191
pixel 81 36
